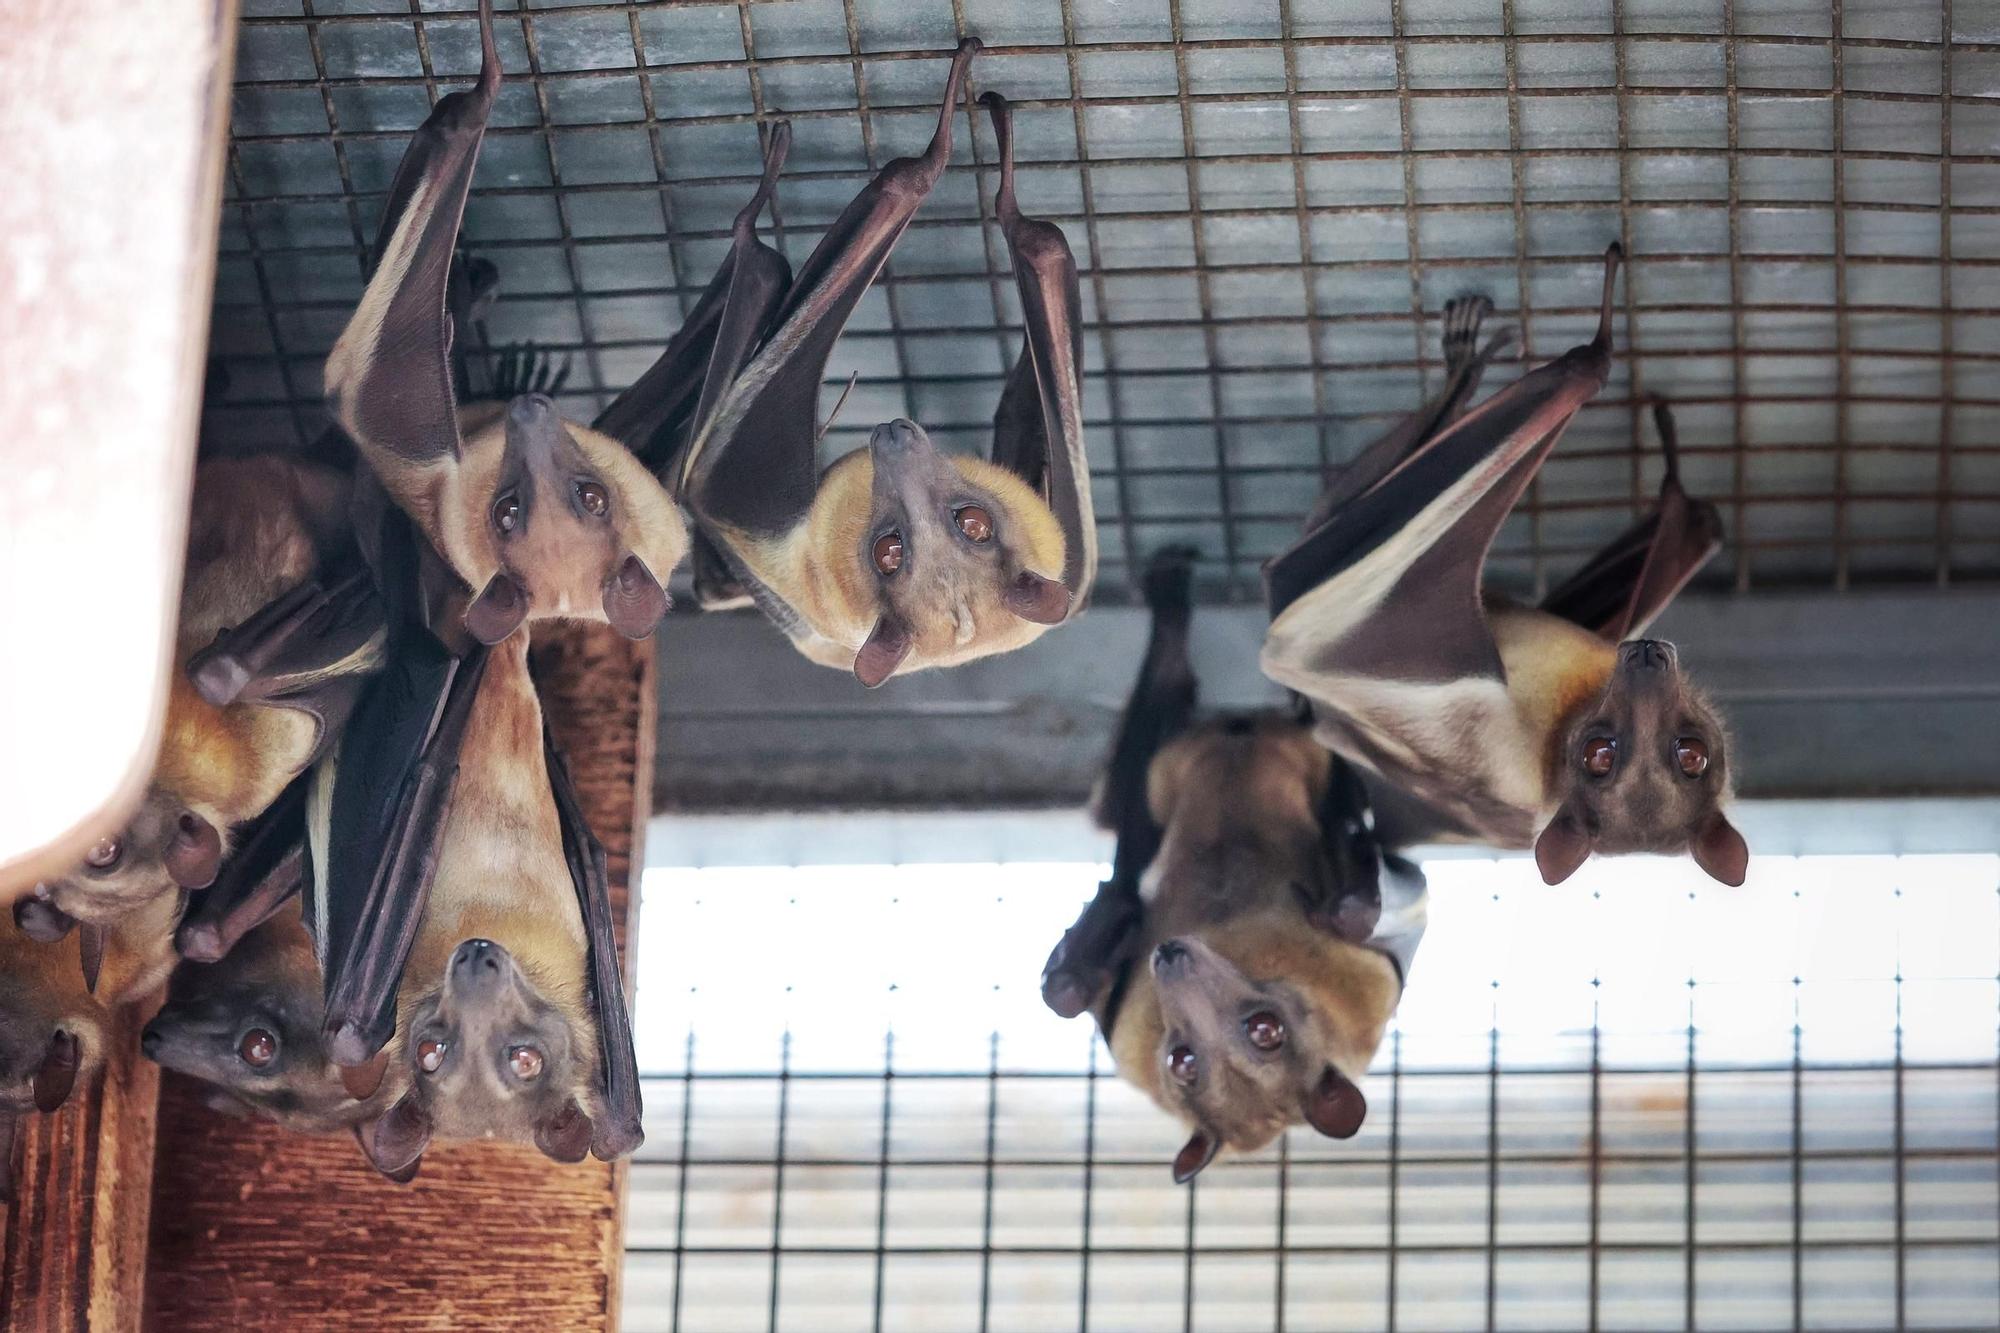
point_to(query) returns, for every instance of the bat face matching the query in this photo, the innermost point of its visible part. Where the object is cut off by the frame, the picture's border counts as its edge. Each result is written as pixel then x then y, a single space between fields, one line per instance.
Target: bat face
pixel 52 1030
pixel 966 559
pixel 492 1055
pixel 163 849
pixel 1242 1058
pixel 250 1025
pixel 552 519
pixel 1644 769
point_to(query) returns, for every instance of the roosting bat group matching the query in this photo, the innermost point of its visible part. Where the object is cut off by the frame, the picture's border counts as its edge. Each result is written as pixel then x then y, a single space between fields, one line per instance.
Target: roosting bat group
pixel 361 856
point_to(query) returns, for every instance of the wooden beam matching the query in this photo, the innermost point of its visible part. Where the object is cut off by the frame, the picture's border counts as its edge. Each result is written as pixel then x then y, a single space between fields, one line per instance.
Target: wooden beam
pixel 257 1229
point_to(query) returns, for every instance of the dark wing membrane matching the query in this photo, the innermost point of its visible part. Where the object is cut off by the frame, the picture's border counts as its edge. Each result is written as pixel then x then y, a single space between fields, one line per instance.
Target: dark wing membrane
pixel 752 463
pixel 1625 585
pixel 389 377
pixel 620 1130
pixel 656 416
pixel 1041 438
pixel 1431 625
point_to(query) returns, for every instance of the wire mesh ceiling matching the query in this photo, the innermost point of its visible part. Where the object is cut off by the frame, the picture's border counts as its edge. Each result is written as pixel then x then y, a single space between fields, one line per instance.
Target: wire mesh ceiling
pixel 1270 203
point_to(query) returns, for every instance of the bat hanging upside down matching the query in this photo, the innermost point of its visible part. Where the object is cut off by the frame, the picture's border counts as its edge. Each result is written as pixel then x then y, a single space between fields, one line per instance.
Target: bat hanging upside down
pixel 900 556
pixel 1254 937
pixel 1480 720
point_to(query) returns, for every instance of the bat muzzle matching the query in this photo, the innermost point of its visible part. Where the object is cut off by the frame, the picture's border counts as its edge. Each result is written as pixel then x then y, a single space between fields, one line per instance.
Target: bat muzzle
pixel 479 968
pixel 1648 655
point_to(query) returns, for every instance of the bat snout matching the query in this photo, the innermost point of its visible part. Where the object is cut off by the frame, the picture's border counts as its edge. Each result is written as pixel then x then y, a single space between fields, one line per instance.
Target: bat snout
pixel 1648 655
pixel 150 1041
pixel 479 967
pixel 899 439
pixel 1172 959
pixel 531 409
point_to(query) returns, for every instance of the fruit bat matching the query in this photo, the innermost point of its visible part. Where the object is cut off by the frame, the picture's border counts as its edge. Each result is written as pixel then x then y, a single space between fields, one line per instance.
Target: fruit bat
pixel 1476 719
pixel 510 1016
pixel 279 632
pixel 248 1026
pixel 53 1026
pixel 900 556
pixel 1254 937
pixel 539 516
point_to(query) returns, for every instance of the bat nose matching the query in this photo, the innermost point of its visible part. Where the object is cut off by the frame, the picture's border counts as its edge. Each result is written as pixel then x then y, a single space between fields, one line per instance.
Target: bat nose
pixel 1171 956
pixel 149 1041
pixel 1648 655
pixel 531 409
pixel 477 956
pixel 898 439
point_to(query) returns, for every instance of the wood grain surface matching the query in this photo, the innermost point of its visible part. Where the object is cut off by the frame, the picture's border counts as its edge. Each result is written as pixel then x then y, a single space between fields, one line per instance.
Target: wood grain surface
pixel 256 1229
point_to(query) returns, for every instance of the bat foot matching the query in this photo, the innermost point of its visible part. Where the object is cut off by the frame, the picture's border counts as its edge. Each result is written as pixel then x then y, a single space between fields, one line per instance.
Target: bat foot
pixel 200 942
pixel 220 677
pixel 1353 918
pixel 350 1046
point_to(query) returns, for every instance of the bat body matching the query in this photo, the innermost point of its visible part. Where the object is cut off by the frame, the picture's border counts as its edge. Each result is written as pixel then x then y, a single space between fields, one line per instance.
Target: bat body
pixel 498 1016
pixel 539 516
pixel 1482 721
pixel 54 1024
pixel 248 1026
pixel 263 531
pixel 1253 940
pixel 901 556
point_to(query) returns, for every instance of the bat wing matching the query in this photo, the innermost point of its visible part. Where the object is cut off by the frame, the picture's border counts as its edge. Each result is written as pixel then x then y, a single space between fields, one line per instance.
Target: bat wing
pixel 656 416
pixel 1388 585
pixel 266 870
pixel 1625 585
pixel 620 1131
pixel 1038 428
pixel 752 465
pixel 389 377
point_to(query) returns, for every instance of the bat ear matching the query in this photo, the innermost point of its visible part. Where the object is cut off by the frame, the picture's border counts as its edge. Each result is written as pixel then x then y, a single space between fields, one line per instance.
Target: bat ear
pixel 565 1136
pixel 634 601
pixel 1032 597
pixel 362 1081
pixel 1335 1107
pixel 1195 1154
pixel 194 853
pixel 57 1075
pixel 394 1141
pixel 888 644
pixel 498 610
pixel 1720 850
pixel 1562 847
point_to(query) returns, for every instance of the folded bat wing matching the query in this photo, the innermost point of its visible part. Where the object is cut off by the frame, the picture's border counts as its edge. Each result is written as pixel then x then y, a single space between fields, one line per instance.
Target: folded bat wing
pixel 1624 586
pixel 389 377
pixel 1389 584
pixel 620 1130
pixel 752 464
pixel 1038 427
pixel 658 414
pixel 264 873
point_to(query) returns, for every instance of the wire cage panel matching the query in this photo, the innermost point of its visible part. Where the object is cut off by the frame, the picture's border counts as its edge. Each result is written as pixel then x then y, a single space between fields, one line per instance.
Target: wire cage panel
pixel 1270 205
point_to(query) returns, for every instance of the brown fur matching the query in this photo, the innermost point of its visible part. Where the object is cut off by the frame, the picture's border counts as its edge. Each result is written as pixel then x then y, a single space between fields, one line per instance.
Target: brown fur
pixel 260 526
pixel 1237 804
pixel 822 570
pixel 502 877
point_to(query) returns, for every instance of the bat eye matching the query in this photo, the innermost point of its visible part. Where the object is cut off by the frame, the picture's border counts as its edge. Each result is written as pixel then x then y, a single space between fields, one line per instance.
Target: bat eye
pixel 430 1055
pixel 1599 754
pixel 1691 755
pixel 1181 1064
pixel 105 854
pixel 1265 1030
pixel 258 1048
pixel 507 512
pixel 593 498
pixel 974 522
pixel 888 553
pixel 526 1062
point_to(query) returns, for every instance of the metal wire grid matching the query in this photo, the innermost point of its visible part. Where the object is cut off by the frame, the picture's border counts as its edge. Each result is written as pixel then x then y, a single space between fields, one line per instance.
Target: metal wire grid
pixel 1270 203
pixel 1810 1138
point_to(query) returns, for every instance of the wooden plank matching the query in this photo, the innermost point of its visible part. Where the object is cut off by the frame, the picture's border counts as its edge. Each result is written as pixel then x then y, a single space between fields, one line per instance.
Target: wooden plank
pixel 257 1229
pixel 74 1254
pixel 113 121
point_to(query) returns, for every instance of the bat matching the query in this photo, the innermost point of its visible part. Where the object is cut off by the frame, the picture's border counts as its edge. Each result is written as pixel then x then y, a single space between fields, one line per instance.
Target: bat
pixel 1254 937
pixel 539 516
pixel 279 641
pixel 510 1018
pixel 900 556
pixel 1475 719
pixel 53 1026
pixel 248 1026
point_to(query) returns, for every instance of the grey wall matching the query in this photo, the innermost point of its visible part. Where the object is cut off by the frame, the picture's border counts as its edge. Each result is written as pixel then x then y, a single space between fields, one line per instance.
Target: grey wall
pixel 1876 693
